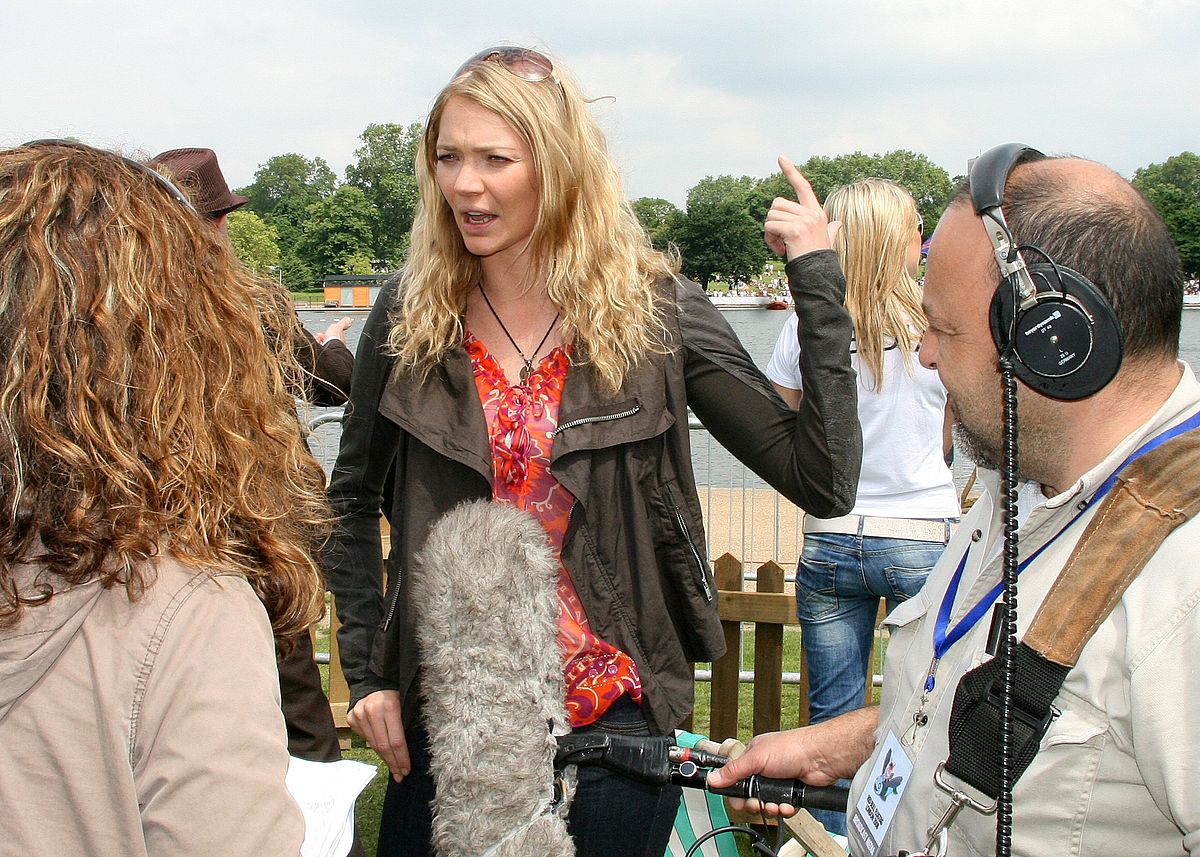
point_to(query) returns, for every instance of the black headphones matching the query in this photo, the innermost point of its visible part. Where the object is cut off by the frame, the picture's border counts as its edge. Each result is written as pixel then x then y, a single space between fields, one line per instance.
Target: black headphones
pixel 1060 327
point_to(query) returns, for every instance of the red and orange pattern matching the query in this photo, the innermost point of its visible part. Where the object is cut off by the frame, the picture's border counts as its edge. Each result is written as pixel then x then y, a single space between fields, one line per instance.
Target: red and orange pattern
pixel 521 419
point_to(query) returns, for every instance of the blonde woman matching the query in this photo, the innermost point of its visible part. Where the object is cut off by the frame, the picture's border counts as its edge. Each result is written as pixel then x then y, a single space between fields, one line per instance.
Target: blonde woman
pixel 906 500
pixel 539 352
pixel 158 515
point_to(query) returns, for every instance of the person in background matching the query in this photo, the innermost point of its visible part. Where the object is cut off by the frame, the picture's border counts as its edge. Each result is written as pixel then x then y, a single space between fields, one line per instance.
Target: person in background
pixel 327 367
pixel 906 500
pixel 1116 769
pixel 160 516
pixel 327 362
pixel 536 350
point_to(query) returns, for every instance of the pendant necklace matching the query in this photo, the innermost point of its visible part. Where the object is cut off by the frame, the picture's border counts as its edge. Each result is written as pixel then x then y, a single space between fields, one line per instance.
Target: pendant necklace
pixel 527 369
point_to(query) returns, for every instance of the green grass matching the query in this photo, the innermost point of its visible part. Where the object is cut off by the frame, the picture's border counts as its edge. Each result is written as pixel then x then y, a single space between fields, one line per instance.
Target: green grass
pixel 368 809
pixel 789 705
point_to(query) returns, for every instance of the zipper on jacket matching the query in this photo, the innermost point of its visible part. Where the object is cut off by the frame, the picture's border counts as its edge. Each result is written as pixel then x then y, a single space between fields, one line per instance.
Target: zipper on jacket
pixel 391 612
pixel 603 418
pixel 700 564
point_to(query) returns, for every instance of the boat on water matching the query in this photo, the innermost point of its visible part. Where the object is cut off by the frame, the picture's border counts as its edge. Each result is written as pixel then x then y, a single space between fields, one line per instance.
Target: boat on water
pixel 360 298
pixel 1191 301
pixel 733 300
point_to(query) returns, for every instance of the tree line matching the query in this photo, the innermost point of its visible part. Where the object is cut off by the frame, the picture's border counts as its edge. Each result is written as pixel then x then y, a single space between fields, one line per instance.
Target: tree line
pixel 303 223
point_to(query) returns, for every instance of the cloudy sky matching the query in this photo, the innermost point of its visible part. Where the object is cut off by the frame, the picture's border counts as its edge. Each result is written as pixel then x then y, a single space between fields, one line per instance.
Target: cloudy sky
pixel 693 88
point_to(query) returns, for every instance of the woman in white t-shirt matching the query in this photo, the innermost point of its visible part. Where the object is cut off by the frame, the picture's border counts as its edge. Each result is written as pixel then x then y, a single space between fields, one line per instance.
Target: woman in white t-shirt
pixel 906 499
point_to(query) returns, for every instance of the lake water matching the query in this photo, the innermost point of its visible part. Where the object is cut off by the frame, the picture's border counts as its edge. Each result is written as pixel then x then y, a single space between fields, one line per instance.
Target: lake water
pixel 757 328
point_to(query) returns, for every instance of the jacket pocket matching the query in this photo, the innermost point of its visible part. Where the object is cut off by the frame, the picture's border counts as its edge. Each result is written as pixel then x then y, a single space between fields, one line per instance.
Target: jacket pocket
pixel 692 553
pixel 1065 766
pixel 908 652
pixel 614 413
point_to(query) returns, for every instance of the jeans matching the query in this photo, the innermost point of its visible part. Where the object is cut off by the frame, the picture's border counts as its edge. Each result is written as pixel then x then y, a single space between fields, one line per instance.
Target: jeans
pixel 839 583
pixel 611 816
pixel 406 824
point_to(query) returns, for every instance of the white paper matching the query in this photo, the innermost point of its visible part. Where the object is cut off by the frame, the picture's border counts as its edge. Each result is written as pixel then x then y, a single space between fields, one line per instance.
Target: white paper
pixel 326 792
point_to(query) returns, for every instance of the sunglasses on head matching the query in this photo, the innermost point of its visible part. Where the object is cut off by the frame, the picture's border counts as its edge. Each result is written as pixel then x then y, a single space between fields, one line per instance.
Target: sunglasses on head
pixel 161 180
pixel 524 63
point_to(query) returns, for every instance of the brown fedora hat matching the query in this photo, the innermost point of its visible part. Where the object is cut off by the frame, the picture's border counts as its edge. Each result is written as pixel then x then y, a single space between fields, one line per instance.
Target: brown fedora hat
pixel 199 174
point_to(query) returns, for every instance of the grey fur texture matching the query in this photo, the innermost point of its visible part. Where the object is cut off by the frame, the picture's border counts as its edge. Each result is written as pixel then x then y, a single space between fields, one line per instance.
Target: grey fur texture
pixel 485 586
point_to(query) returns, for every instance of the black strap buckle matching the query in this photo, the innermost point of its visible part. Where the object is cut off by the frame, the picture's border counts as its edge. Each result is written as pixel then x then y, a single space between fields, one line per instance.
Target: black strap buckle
pixel 975 720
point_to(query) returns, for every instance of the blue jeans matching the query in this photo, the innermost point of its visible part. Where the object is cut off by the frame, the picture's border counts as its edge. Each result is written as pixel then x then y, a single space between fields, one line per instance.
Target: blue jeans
pixel 838 586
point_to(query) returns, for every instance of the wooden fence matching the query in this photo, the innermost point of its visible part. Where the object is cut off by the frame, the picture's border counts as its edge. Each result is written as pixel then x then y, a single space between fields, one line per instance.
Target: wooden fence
pixel 769 609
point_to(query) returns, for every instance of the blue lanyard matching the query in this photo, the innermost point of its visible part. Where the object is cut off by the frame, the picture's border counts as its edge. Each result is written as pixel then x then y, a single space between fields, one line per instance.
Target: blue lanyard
pixel 944 636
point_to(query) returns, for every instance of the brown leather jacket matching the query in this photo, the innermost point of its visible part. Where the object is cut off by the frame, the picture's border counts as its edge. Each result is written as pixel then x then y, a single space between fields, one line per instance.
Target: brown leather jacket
pixel 635 543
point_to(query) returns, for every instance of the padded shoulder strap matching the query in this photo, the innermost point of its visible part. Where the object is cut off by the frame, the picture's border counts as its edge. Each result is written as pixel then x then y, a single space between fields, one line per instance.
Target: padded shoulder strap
pixel 1153 495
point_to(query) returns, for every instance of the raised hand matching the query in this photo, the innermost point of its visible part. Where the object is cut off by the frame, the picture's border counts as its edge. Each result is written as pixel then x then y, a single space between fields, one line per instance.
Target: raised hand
pixel 795 228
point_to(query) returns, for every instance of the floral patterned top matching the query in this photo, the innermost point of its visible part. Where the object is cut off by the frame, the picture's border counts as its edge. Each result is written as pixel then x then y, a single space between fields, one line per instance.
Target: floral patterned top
pixel 521 419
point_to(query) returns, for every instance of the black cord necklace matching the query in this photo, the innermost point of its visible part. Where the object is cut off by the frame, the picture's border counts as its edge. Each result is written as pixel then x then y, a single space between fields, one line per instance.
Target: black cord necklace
pixel 527 369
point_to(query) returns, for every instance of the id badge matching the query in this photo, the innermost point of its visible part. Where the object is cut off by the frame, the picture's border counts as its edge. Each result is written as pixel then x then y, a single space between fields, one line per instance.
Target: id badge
pixel 876 806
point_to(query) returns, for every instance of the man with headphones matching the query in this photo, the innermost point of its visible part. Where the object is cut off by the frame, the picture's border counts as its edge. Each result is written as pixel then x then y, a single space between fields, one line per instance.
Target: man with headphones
pixel 1059 271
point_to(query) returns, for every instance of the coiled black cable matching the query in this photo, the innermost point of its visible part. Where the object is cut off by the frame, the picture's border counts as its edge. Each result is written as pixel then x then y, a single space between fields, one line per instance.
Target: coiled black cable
pixel 1008 498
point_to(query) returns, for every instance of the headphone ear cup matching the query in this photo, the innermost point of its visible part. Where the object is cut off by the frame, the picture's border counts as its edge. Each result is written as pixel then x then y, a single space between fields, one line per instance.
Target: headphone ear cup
pixel 1068 344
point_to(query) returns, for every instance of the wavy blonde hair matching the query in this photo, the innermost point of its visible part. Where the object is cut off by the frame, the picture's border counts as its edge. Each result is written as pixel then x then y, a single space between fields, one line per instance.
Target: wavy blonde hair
pixel 146 398
pixel 879 220
pixel 588 246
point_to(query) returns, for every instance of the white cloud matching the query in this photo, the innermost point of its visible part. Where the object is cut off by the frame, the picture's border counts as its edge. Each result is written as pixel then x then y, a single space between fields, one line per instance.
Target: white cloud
pixel 700 87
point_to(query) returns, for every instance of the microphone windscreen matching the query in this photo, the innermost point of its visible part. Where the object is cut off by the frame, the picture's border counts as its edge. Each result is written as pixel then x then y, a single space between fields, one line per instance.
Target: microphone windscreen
pixel 485 589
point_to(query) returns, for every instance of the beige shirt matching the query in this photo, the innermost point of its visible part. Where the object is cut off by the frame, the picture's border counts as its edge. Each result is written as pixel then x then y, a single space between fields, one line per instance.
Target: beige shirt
pixel 150 728
pixel 1119 771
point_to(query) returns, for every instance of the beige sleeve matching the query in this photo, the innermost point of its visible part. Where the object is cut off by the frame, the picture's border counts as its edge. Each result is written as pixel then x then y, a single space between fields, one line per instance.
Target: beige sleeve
pixel 210 749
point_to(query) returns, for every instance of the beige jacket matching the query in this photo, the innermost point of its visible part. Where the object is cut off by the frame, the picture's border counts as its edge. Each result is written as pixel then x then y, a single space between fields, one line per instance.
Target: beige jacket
pixel 1118 771
pixel 150 728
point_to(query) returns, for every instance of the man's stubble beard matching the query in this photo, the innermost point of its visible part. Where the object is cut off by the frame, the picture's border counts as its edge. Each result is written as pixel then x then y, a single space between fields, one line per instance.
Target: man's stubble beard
pixel 1036 442
pixel 980 450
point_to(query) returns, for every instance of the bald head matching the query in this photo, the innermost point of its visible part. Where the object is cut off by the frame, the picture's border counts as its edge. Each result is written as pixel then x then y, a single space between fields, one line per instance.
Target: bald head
pixel 1086 217
pixel 1083 178
pixel 1066 184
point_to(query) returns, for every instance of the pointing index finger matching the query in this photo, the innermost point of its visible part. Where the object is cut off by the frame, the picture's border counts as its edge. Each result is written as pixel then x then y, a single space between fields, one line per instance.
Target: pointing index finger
pixel 804 191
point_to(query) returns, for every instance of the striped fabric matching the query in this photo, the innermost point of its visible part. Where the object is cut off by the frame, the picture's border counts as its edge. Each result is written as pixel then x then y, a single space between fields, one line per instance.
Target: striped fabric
pixel 700 812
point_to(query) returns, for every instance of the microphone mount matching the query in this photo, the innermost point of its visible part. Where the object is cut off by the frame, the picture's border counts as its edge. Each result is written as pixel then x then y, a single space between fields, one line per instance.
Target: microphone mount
pixel 658 761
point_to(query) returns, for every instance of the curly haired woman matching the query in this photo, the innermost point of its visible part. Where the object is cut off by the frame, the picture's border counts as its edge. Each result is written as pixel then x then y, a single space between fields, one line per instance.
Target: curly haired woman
pixel 158 515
